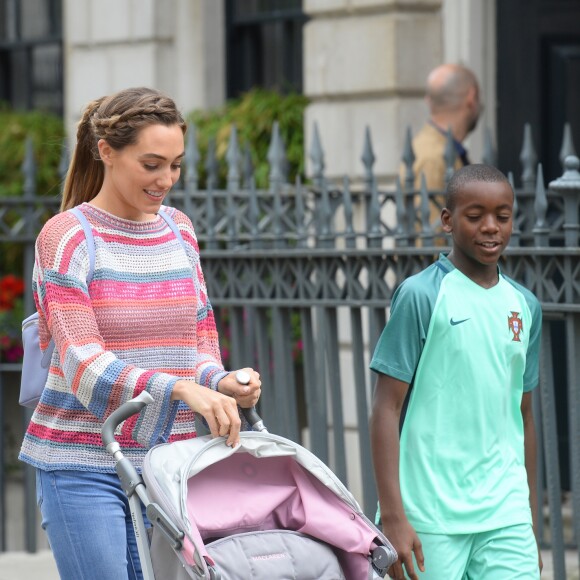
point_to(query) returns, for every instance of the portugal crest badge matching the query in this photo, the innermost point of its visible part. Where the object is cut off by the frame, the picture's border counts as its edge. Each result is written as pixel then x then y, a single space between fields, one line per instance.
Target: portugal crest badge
pixel 515 325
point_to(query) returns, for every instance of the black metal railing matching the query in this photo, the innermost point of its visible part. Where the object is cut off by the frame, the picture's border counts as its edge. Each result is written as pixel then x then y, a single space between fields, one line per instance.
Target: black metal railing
pixel 301 277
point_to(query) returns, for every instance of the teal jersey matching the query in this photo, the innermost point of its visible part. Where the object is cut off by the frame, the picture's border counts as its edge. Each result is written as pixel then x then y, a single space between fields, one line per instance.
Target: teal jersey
pixel 469 354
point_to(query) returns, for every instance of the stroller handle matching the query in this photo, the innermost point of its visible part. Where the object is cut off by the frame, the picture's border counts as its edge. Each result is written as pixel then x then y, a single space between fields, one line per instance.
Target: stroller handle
pixel 250 414
pixel 254 419
pixel 125 411
pixel 143 399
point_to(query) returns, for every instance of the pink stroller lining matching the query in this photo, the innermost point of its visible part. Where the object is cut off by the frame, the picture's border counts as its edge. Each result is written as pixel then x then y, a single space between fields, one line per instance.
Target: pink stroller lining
pixel 243 493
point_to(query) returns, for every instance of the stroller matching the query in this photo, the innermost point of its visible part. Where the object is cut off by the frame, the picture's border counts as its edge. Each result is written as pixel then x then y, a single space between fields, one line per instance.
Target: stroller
pixel 267 509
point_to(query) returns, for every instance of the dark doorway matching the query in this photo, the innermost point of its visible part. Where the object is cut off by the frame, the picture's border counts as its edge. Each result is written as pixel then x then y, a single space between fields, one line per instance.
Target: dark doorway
pixel 31 62
pixel 264 45
pixel 538 52
pixel 538 82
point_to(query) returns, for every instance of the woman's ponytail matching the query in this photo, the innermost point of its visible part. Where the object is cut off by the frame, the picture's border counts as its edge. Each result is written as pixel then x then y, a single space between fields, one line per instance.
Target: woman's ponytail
pixel 85 174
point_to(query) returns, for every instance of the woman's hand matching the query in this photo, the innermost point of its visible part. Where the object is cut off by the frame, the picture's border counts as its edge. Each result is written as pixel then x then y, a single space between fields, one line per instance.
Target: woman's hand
pixel 247 394
pixel 220 411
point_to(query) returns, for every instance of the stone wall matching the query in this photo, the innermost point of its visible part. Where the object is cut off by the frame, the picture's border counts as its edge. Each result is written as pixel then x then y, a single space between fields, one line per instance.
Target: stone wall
pixel 365 64
pixel 176 46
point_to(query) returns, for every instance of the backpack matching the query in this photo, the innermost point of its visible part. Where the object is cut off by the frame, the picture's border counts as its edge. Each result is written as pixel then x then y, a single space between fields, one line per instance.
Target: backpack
pixel 35 363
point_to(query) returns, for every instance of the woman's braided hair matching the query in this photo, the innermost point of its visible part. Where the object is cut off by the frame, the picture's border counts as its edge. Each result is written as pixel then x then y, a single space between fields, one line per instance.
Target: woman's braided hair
pixel 118 119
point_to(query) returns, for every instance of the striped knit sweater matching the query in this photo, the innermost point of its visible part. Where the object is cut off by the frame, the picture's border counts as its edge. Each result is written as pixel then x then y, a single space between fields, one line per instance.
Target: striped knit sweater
pixel 144 321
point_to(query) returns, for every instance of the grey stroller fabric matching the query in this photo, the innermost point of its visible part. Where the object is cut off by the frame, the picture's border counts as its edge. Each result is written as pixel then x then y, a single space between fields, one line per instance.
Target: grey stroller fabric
pixel 259 556
pixel 274 554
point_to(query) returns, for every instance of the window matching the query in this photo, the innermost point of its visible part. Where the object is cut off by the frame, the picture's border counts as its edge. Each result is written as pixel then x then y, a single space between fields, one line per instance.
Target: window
pixel 31 75
pixel 264 45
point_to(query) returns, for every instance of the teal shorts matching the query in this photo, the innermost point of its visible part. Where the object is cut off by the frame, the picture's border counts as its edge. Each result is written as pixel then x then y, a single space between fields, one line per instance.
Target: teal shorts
pixel 502 554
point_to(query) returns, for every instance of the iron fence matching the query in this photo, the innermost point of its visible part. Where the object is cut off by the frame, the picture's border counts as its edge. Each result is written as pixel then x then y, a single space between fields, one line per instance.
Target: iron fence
pixel 301 277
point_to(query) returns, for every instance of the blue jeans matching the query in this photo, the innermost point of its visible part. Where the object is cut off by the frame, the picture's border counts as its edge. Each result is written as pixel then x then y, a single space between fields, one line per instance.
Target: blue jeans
pixel 88 522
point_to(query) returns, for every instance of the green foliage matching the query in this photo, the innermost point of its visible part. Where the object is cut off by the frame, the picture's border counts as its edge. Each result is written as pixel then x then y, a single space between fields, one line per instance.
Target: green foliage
pixel 254 114
pixel 47 133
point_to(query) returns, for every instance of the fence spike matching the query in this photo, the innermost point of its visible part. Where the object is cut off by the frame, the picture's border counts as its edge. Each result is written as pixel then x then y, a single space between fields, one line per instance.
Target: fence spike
pixel 489 153
pixel 211 165
pixel 284 163
pixel 64 161
pixel 401 238
pixel 275 155
pixel 368 156
pixel 408 159
pixel 317 157
pixel 510 177
pixel 29 168
pixel 449 155
pixel 325 212
pixel 528 159
pixel 254 212
pixel 568 186
pixel 299 211
pixel 349 233
pixel 233 160
pixel 374 215
pixel 516 232
pixel 192 158
pixel 541 201
pixel 248 165
pixel 567 144
pixel 425 213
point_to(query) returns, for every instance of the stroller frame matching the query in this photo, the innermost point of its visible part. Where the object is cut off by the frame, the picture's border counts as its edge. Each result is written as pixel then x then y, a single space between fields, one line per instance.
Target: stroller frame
pixel 381 555
pixel 134 487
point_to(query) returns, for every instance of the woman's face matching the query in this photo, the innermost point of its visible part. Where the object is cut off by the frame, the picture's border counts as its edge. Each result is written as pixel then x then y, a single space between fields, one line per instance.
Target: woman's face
pixel 139 177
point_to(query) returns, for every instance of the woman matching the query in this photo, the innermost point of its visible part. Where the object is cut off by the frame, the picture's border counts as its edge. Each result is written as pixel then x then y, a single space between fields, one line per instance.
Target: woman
pixel 143 323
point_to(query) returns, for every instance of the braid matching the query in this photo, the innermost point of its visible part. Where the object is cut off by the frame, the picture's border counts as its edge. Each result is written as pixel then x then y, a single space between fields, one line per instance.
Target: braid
pixel 117 119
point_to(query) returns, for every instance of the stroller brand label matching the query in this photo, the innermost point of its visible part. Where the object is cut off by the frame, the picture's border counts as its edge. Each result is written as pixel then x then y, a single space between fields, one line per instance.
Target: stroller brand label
pixel 278 556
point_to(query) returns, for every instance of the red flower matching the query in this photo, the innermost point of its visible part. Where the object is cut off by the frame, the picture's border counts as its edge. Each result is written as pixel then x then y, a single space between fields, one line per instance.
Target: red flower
pixel 11 288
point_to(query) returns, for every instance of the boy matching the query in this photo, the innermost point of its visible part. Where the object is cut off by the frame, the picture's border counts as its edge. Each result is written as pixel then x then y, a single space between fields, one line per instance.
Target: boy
pixel 455 502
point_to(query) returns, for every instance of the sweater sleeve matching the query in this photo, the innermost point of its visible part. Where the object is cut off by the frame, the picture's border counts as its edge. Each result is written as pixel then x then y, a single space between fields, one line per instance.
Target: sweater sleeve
pixel 209 369
pixel 98 379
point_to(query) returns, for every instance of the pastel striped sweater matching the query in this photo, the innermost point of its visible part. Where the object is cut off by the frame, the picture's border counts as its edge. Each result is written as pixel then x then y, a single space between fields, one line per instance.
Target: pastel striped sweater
pixel 144 322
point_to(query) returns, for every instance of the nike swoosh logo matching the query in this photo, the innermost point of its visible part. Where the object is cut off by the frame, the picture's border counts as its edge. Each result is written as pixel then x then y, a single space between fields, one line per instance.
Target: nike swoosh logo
pixel 456 322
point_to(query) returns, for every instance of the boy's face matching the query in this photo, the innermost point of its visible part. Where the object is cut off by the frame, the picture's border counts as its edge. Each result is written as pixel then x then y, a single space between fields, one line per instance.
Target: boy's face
pixel 480 223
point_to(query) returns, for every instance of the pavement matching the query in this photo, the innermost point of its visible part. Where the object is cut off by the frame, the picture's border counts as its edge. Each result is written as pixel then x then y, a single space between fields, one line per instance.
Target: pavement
pixel 41 566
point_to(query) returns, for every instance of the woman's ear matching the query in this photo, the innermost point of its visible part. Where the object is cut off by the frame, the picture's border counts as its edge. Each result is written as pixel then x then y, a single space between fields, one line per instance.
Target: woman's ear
pixel 446 220
pixel 105 151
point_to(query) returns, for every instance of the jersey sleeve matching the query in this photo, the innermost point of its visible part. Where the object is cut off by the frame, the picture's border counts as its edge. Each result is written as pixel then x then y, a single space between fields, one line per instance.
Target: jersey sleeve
pixel 401 343
pixel 532 372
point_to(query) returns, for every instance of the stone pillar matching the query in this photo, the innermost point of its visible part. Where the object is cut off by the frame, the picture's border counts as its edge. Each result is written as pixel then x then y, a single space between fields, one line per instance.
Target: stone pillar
pixel 176 46
pixel 469 39
pixel 365 63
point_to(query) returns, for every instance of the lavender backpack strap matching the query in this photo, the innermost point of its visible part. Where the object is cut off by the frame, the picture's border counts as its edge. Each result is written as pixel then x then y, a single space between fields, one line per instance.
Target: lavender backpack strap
pixel 47 356
pixel 35 363
pixel 169 220
pixel 90 241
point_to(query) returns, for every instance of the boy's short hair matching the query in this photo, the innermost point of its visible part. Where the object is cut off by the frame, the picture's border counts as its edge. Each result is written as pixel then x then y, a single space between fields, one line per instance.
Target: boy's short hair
pixel 469 174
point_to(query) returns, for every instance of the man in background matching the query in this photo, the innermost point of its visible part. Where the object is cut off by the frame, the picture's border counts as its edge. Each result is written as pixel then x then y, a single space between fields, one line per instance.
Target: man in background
pixel 454 104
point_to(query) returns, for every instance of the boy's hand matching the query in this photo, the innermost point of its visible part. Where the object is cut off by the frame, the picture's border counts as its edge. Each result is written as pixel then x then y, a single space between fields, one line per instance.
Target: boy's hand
pixel 406 542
